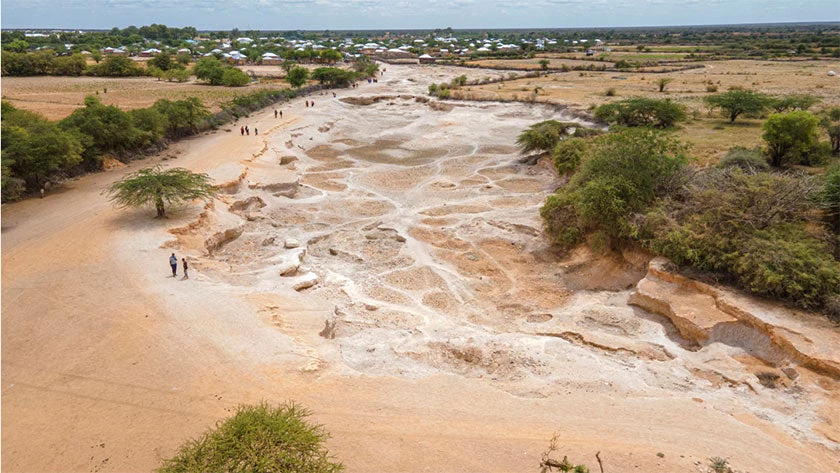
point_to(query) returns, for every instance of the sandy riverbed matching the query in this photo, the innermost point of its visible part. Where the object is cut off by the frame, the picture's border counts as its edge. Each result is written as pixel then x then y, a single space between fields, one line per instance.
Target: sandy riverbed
pixel 440 332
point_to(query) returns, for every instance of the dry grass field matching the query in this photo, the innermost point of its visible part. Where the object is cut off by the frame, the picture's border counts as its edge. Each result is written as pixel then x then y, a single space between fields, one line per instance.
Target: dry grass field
pixel 57 97
pixel 709 134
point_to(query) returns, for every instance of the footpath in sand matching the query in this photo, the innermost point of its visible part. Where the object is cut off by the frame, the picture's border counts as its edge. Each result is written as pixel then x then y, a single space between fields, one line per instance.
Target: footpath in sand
pixel 379 258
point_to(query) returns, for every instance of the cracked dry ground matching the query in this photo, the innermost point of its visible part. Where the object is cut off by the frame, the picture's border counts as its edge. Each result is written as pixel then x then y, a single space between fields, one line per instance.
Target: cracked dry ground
pixel 421 228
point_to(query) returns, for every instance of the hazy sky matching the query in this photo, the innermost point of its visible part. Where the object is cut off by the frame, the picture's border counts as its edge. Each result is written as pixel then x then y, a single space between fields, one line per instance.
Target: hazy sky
pixel 384 14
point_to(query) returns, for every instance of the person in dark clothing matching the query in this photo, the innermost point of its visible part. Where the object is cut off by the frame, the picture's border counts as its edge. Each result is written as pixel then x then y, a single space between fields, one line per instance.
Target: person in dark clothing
pixel 173 263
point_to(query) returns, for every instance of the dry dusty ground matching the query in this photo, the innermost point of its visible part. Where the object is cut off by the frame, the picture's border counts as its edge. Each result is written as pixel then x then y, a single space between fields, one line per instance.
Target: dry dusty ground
pixel 433 330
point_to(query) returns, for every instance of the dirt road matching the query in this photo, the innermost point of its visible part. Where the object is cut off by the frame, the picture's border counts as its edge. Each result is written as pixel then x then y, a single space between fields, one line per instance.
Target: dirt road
pixel 444 302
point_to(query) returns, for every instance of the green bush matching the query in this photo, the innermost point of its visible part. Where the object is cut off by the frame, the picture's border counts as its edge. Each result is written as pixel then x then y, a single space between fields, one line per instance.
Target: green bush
pixel 746 159
pixel 641 112
pixel 792 138
pixel 738 101
pixel 233 77
pixel 544 136
pixel 334 77
pixel 568 154
pixel 258 439
pixel 116 66
pixel 749 227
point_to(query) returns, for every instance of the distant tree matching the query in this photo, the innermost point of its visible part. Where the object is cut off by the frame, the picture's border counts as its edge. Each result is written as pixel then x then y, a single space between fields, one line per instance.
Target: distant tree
pixel 209 69
pixel 74 65
pixel 233 77
pixel 116 66
pixel 663 82
pixel 183 117
pixel 331 56
pixel 160 187
pixel 162 61
pixel 830 122
pixel 17 46
pixel 297 76
pixel 544 64
pixel 737 101
pixel 96 55
pixel 793 102
pixel 641 111
pixel 183 58
pixel 334 77
pixel 790 136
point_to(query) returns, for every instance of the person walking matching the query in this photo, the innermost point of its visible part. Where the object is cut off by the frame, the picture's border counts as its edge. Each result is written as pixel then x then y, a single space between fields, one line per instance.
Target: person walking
pixel 275 114
pixel 186 267
pixel 281 114
pixel 242 130
pixel 173 263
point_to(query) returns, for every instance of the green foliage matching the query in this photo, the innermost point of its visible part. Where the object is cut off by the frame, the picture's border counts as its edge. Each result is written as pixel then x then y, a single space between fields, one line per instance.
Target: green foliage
pixel 331 56
pixel 641 112
pixel 738 101
pixel 444 94
pixel 105 128
pixel 258 439
pixel 209 69
pixel 16 46
pixel 182 117
pixel 334 77
pixel 827 198
pixel 793 102
pixel 160 188
pixel 750 227
pixel 116 66
pixel 568 154
pixel 38 63
pixel 720 465
pixel 162 61
pixel 621 174
pixel 297 76
pixel 663 82
pixel 544 136
pixel 830 122
pixel 790 137
pixel 32 148
pixel 746 159
pixel 544 64
pixel 74 65
pixel 233 77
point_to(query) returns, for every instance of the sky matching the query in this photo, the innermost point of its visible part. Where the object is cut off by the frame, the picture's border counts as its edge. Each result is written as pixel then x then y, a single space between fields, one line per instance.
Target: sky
pixel 405 14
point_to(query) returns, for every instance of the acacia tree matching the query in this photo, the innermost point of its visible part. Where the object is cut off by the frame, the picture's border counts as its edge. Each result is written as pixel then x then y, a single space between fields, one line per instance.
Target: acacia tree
pixel 736 101
pixel 160 187
pixel 663 82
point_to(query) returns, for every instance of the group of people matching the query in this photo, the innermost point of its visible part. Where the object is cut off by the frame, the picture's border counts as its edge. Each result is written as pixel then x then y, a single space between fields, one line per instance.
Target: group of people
pixel 275 113
pixel 244 130
pixel 173 263
pixel 310 103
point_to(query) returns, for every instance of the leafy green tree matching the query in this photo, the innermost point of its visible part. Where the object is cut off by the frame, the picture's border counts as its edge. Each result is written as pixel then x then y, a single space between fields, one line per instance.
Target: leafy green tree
pixel 737 101
pixel 160 187
pixel 183 117
pixel 34 147
pixel 297 76
pixel 642 112
pixel 177 74
pixel 793 102
pixel 544 64
pixel 183 58
pixel 830 122
pixel 544 136
pixel 209 69
pixel 96 55
pixel 569 153
pixel 790 137
pixel 151 126
pixel 233 77
pixel 105 128
pixel 162 61
pixel 334 77
pixel 74 65
pixel 331 56
pixel 16 46
pixel 116 66
pixel 258 438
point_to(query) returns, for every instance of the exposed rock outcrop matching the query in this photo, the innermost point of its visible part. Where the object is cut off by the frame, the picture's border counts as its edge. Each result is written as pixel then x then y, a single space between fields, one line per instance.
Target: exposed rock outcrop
pixel 704 314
